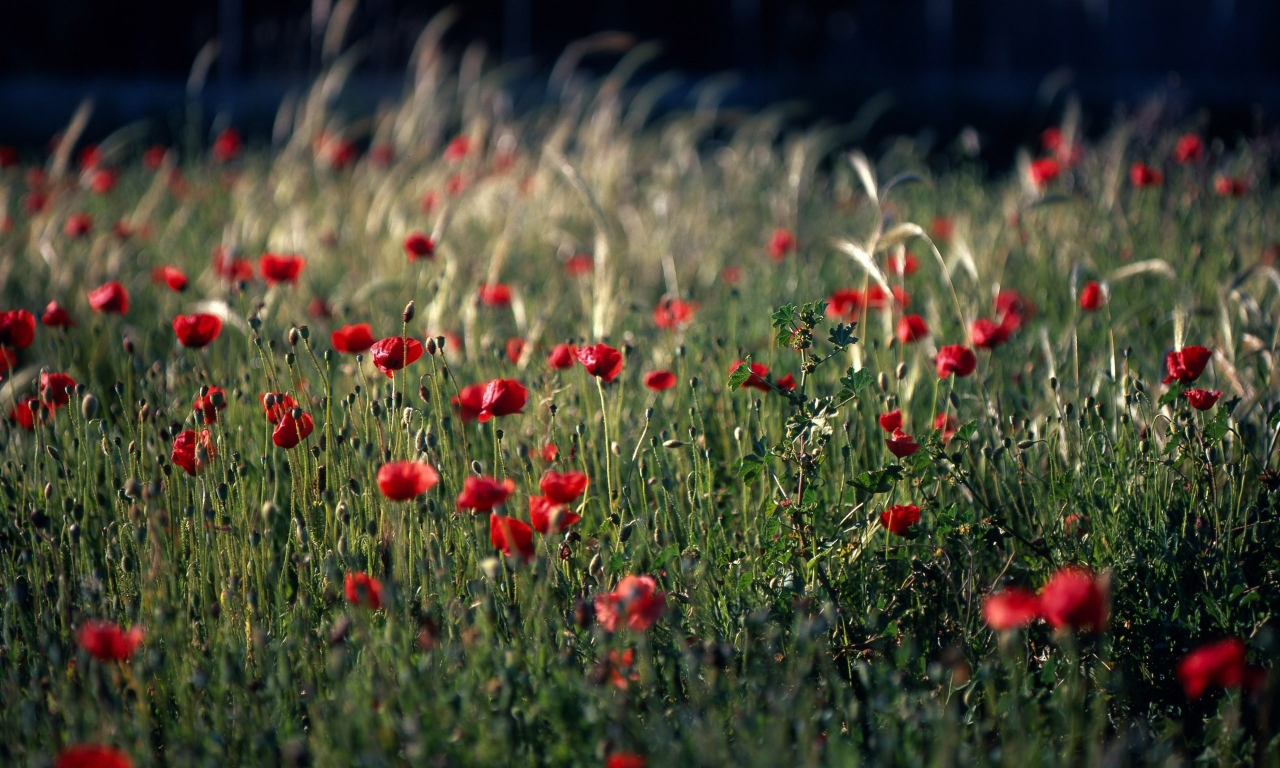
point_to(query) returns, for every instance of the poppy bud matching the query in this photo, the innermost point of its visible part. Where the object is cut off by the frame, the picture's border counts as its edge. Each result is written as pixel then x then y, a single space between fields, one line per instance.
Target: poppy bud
pixel 289 359
pixel 902 371
pixel 954 399
pixel 476 468
pixel 255 322
pixel 1053 383
pixel 693 383
pixel 410 310
pixel 128 345
pixel 648 414
pixel 431 346
pixel 883 381
pixel 133 488
pixel 440 344
pixel 293 337
pixel 304 332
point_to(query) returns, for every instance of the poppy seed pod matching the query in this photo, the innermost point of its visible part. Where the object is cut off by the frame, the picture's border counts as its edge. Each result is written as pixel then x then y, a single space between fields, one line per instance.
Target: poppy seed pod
pixel 89 406
pixel 410 310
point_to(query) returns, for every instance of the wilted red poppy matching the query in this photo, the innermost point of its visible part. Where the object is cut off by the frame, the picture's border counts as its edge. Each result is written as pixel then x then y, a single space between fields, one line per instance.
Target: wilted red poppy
pixel 1202 399
pixel 192 451
pixel 844 304
pixel 17 328
pixel 549 517
pixel 226 147
pixel 987 334
pixel 280 268
pixel 946 423
pixel 1091 296
pixel 1142 175
pixel 22 415
pixel 392 354
pixel 673 313
pixel 1043 171
pixel 781 242
pixel 276 404
pixel 352 339
pixel 1010 609
pixel 758 378
pixel 659 380
pixel 956 359
pixel 602 361
pixel 53 389
pixel 404 480
pixel 891 421
pixel 579 264
pixel 899 518
pixel 1186 364
pixel 196 331
pixel 562 356
pixel 173 277
pixel 1189 149
pixel 512 537
pixel 213 400
pixel 481 494
pixel 564 488
pixel 419 246
pixel 92 756
pixel 290 431
pixel 457 148
pixel 635 602
pixel 905 266
pixel 499 397
pixel 626 760
pixel 153 158
pixel 363 589
pixel 900 444
pixel 496 295
pixel 1219 664
pixel 111 298
pixel 515 348
pixel 1228 186
pixel 77 225
pixel 1075 599
pixel 231 268
pixel 105 641
pixel 912 328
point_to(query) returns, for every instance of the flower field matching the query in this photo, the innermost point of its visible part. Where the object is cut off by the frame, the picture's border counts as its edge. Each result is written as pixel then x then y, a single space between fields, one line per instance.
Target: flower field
pixel 498 431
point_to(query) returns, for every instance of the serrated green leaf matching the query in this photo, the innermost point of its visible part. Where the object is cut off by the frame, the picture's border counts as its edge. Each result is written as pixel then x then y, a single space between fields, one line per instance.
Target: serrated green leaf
pixel 1175 391
pixel 842 335
pixel 857 380
pixel 784 315
pixel 750 467
pixel 739 375
pixel 966 431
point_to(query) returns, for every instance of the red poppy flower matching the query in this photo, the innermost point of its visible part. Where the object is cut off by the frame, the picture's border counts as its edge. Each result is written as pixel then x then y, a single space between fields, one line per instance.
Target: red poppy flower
pixel 392 354
pixel 512 537
pixel 905 266
pixel 278 268
pixel 352 339
pixel 457 148
pixel 499 397
pixel 363 589
pixel 22 415
pixel 549 517
pixel 186 451
pixel 419 246
pixel 92 756
pixel 899 518
pixel 170 276
pixel 1202 399
pixel 1186 364
pixel 900 444
pixel 53 389
pixel 635 602
pixel 912 328
pixel 196 331
pixel 1142 175
pixel 1091 296
pixel 226 147
pixel 381 154
pixel 602 361
pixel 659 380
pixel 1075 599
pixel 17 328
pixel 281 405
pixel 290 431
pixel 1044 170
pixel 987 334
pixel 1012 309
pixel 942 228
pixel 844 304
pixel 1010 609
pixel 496 295
pixel 1189 149
pixel 579 264
pixel 946 423
pixel 673 313
pixel 891 421
pixel 1219 664
pixel 36 201
pixel 956 359
pixel 550 452
pixel 319 309
pixel 1227 186
pixel 430 201
pixel 102 180
pixel 626 760
pixel 404 480
pixel 105 641
pixel 731 275
pixel 781 242
pixel 758 377
pixel 564 488
pixel 481 494
pixel 515 348
pixel 562 356
pixel 111 298
pixel 876 298
pixel 787 383
pixel 231 268
pixel 153 158
pixel 8 359
pixel 77 225
pixel 208 404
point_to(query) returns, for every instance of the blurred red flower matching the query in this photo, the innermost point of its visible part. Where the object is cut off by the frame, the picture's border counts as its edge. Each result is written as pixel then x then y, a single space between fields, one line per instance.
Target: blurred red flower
pixel 987 334
pixel 602 361
pixel 899 518
pixel 781 242
pixel 481 494
pixel 659 380
pixel 1091 296
pixel 1142 175
pixel 363 589
pixel 196 331
pixel 173 277
pixel 290 431
pixel 946 423
pixel 105 641
pixel 231 268
pixel 512 537
pixel 1228 186
pixel 1219 664
pixel 352 339
pixel 457 149
pixel 213 400
pixel 404 480
pixel 758 377
pixel 579 264
pixel 392 354
pixel 281 268
pixel 227 145
pixel 562 356
pixel 549 517
pixel 496 295
pixel 1043 171
pixel 186 453
pixel 912 328
pixel 1075 598
pixel 905 266
pixel 891 421
pixel 153 158
pixel 956 359
pixel 1189 149
pixel 53 389
pixel 17 328
pixel 900 444
pixel 1202 399
pixel 844 304
pixel 673 313
pixel 77 225
pixel 1010 609
pixel 1186 364
pixel 111 298
pixel 499 397
pixel 634 602
pixel 91 756
pixel 564 488
pixel 515 348
pixel 419 246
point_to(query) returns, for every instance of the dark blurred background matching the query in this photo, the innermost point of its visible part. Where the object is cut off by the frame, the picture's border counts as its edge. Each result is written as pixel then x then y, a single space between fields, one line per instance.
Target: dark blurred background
pixel 946 63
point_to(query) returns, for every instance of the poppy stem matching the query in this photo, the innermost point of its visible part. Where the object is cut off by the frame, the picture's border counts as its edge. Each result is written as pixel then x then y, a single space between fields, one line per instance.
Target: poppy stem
pixel 604 418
